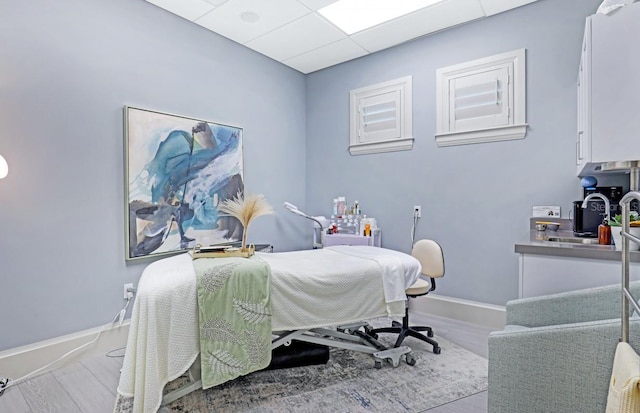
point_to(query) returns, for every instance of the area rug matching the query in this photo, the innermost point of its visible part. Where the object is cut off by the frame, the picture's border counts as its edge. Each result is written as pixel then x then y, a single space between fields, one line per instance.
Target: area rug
pixel 349 382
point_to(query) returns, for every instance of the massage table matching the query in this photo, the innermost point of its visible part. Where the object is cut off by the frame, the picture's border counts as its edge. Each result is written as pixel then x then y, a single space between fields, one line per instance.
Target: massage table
pixel 319 296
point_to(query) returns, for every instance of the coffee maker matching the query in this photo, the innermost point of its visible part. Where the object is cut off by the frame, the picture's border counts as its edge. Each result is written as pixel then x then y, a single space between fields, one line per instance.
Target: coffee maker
pixel 586 220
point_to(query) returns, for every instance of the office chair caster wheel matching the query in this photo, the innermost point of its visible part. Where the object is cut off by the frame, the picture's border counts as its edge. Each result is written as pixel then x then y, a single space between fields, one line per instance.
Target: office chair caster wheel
pixel 378 364
pixel 410 359
pixel 430 333
pixel 368 330
pixel 437 350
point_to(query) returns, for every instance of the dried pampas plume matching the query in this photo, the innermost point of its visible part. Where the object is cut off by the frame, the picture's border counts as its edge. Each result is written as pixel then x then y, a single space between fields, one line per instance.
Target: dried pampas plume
pixel 246 208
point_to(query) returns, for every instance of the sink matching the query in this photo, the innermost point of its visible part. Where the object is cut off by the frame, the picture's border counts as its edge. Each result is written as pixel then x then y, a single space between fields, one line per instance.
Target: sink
pixel 572 240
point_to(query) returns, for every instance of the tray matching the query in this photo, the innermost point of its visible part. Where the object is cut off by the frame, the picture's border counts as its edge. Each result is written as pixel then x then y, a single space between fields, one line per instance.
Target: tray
pixel 221 252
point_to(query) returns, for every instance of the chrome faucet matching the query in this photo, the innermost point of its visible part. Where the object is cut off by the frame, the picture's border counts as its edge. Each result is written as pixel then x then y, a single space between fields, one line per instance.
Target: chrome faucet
pixel 607 205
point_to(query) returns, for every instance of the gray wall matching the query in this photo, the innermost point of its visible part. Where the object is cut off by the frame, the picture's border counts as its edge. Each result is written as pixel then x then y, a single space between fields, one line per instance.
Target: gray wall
pixel 476 199
pixel 67 68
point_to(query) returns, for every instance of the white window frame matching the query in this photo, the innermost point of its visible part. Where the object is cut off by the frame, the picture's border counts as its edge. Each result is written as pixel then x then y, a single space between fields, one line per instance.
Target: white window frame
pixel 396 97
pixel 508 124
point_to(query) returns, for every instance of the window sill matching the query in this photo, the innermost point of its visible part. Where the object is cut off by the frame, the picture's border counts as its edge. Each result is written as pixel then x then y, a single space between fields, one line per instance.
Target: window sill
pixel 502 133
pixel 404 144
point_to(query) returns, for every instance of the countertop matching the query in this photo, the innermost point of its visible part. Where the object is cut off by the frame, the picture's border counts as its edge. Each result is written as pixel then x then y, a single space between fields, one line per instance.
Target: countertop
pixel 533 243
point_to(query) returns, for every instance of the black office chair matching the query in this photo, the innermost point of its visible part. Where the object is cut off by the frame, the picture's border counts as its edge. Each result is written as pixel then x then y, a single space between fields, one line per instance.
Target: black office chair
pixel 431 258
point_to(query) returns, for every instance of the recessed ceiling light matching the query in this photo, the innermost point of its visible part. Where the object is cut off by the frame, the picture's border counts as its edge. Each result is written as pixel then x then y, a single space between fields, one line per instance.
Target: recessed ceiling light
pixel 352 16
pixel 249 17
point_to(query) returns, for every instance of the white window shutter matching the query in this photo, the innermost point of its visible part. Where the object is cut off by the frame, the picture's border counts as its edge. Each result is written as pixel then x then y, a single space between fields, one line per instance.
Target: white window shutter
pixel 381 117
pixel 482 101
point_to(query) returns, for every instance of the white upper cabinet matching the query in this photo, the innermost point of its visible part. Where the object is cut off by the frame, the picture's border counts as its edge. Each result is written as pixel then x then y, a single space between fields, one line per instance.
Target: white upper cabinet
pixel 609 90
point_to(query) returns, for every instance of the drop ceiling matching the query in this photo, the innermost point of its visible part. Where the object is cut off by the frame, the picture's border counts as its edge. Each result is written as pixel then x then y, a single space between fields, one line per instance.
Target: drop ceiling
pixel 295 34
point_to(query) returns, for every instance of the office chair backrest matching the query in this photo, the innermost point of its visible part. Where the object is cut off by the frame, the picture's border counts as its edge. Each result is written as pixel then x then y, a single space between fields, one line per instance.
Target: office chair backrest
pixel 431 258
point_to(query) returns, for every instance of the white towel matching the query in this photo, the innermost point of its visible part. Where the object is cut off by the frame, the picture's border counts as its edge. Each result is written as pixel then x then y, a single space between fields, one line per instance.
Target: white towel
pixel 624 388
pixel 162 341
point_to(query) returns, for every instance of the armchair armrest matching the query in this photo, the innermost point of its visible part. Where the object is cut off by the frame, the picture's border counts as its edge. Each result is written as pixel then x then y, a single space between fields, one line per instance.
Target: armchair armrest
pixel 591 304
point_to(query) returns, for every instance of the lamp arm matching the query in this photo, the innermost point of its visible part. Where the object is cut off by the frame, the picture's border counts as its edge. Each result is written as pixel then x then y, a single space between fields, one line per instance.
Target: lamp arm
pixel 296 211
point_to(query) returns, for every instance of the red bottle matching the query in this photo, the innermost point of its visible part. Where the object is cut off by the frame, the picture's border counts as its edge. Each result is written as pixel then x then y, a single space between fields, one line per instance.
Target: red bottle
pixel 604 233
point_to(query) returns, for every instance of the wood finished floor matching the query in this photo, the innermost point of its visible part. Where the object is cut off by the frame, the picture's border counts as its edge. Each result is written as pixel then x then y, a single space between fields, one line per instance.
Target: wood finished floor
pixel 90 386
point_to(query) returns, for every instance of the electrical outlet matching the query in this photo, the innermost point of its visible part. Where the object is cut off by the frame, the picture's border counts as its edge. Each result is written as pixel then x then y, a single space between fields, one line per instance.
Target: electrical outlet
pixel 126 289
pixel 417 211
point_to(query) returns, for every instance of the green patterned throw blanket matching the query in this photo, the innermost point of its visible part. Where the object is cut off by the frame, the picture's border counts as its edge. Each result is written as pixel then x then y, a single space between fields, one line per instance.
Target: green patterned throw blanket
pixel 234 309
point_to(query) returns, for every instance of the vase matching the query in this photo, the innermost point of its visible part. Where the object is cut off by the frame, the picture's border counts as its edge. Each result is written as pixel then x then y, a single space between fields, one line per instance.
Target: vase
pixel 617 238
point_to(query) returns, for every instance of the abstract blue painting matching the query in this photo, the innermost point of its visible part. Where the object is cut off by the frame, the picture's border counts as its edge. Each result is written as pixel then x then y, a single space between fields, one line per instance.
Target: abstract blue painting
pixel 177 171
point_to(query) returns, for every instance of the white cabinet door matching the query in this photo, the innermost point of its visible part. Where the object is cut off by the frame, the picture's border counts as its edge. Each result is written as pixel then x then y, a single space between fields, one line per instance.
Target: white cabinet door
pixel 583 141
pixel 615 91
pixel 609 90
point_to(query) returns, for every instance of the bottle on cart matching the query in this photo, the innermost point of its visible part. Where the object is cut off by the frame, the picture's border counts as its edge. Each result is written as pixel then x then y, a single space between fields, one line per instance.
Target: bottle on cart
pixel 341 206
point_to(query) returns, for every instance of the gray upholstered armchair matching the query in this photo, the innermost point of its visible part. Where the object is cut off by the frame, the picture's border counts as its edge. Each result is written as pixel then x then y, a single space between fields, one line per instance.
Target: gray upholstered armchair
pixel 556 352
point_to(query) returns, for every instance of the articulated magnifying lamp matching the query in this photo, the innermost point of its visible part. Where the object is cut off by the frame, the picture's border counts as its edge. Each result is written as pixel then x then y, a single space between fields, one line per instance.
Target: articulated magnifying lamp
pixel 317 238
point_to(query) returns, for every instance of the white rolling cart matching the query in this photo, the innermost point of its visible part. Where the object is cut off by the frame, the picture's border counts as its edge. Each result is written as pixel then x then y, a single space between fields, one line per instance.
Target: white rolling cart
pixel 353 239
pixel 322 239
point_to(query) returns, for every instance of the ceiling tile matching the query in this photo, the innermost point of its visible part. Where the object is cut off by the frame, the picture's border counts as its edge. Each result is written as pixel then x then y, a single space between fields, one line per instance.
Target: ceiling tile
pixel 492 7
pixel 298 37
pixel 437 17
pixel 216 2
pixel 227 19
pixel 326 56
pixel 189 9
pixel 316 4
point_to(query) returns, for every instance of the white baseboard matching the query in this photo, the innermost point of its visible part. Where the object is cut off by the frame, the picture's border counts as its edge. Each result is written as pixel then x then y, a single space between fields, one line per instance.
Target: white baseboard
pixel 19 361
pixel 487 315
